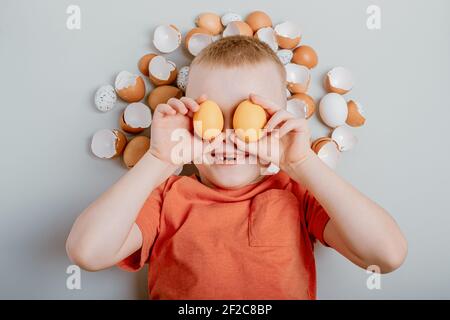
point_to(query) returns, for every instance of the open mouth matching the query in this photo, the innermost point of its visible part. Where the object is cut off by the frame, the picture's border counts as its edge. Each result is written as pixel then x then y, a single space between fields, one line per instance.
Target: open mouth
pixel 227 158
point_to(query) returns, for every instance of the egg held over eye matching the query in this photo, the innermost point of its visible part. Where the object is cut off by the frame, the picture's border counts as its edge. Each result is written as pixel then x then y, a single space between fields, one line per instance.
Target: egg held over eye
pixel 208 120
pixel 248 121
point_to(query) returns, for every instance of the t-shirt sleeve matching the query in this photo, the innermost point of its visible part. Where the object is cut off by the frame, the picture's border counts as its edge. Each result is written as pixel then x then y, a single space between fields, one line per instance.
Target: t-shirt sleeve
pixel 148 221
pixel 316 218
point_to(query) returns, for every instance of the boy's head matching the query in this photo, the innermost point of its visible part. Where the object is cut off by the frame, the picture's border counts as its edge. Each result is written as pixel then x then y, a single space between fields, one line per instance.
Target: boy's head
pixel 228 71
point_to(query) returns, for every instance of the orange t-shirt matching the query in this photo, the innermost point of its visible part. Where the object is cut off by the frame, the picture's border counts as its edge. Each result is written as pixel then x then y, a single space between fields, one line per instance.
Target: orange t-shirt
pixel 255 242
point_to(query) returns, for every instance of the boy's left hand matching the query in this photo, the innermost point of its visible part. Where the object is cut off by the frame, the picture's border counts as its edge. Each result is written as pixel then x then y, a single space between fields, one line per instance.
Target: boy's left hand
pixel 292 134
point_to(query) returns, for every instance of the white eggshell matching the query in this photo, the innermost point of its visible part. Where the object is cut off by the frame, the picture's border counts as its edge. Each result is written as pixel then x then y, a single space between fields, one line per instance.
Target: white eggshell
pixel 285 56
pixel 344 138
pixel 230 17
pixel 105 98
pixel 333 110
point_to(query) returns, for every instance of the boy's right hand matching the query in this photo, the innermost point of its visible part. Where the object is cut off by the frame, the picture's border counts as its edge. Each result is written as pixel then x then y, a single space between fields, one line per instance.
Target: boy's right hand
pixel 172 132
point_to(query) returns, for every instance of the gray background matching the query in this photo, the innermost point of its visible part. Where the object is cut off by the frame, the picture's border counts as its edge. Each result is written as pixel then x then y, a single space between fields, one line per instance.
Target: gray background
pixel 48 76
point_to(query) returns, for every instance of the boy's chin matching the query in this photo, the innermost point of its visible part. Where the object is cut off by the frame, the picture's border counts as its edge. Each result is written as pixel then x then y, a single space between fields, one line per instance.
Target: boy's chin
pixel 231 176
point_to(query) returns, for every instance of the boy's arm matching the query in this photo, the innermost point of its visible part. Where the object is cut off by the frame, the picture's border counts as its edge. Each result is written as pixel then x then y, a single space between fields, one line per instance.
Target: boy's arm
pixel 358 228
pixel 106 232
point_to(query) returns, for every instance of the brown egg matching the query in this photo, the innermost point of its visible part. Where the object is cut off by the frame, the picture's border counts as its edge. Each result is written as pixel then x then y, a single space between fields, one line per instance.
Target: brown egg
pixel 129 87
pixel 144 62
pixel 208 120
pixel 135 150
pixel 355 116
pixel 162 95
pixel 210 22
pixel 257 20
pixel 248 121
pixel 305 56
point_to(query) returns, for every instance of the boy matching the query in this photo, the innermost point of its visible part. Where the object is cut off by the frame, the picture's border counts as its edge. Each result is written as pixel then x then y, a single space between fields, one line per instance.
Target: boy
pixel 230 232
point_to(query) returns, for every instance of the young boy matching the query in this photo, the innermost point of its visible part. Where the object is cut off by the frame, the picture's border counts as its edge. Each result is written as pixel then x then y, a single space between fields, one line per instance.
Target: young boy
pixel 230 232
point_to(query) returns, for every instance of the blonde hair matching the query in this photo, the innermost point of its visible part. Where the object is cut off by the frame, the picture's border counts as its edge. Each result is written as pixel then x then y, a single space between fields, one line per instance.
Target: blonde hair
pixel 236 51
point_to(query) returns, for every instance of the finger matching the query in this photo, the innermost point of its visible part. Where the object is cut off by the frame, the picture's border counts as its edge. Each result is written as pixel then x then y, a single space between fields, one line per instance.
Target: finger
pixel 202 98
pixel 292 125
pixel 191 104
pixel 214 144
pixel 165 109
pixel 177 105
pixel 268 105
pixel 278 118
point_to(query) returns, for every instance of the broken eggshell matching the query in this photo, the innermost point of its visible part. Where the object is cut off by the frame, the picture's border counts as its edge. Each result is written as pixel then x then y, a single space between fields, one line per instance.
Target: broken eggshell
pixel 144 62
pixel 162 71
pixel 258 20
pixel 107 144
pixel 288 35
pixel 197 39
pixel 305 56
pixel 105 98
pixel 333 110
pixel 267 35
pixel 135 150
pixel 339 80
pixel 355 116
pixel 344 138
pixel 162 94
pixel 130 87
pixel 230 17
pixel 301 105
pixel 237 28
pixel 285 56
pixel 298 78
pixel 327 151
pixel 166 38
pixel 135 118
pixel 211 22
pixel 183 77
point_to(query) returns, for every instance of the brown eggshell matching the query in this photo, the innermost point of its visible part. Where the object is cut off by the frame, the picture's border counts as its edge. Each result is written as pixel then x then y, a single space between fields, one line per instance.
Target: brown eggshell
pixel 287 43
pixel 244 28
pixel 158 82
pixel 308 100
pixel 133 93
pixel 162 95
pixel 135 150
pixel 319 143
pixel 329 88
pixel 121 142
pixel 192 32
pixel 125 127
pixel 210 22
pixel 143 63
pixel 305 56
pixel 354 118
pixel 298 87
pixel 257 20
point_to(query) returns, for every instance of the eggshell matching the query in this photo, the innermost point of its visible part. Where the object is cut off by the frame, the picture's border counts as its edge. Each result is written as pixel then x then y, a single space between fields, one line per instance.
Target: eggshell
pixel 162 94
pixel 162 71
pixel 327 151
pixel 319 143
pixel 183 77
pixel 230 17
pixel 248 121
pixel 144 62
pixel 238 28
pixel 344 138
pixel 288 35
pixel 355 116
pixel 135 150
pixel 210 22
pixel 298 78
pixel 285 56
pixel 166 38
pixel 333 110
pixel 135 118
pixel 108 144
pixel 197 39
pixel 105 98
pixel 267 35
pixel 301 105
pixel 339 80
pixel 305 56
pixel 257 20
pixel 208 120
pixel 130 87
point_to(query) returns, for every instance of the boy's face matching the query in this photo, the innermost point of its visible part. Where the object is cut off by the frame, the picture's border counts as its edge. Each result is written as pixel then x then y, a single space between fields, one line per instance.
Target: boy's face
pixel 228 86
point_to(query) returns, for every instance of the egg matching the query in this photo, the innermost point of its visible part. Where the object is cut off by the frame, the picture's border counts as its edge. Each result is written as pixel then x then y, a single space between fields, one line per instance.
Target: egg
pixel 305 56
pixel 267 35
pixel 344 138
pixel 105 98
pixel 210 22
pixel 339 80
pixel 208 120
pixel 238 28
pixel 135 118
pixel 144 62
pixel 230 17
pixel 333 110
pixel 197 39
pixel 248 121
pixel 107 144
pixel 327 150
pixel 285 56
pixel 288 35
pixel 298 78
pixel 166 38
pixel 257 20
pixel 130 87
pixel 355 116
pixel 183 77
pixel 162 94
pixel 162 71
pixel 135 150
pixel 301 105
